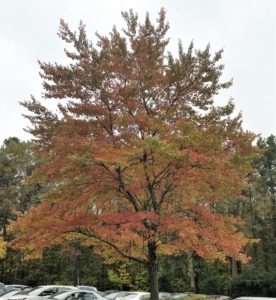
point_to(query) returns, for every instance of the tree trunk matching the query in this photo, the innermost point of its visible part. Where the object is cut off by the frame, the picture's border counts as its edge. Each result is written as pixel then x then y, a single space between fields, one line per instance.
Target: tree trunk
pixel 77 266
pixel 153 271
pixel 272 192
pixel 273 202
pixel 234 269
pixel 193 272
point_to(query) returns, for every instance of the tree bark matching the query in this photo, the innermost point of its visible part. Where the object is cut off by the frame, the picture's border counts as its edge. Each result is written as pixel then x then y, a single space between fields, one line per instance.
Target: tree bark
pixel 273 202
pixel 193 272
pixel 153 271
pixel 77 266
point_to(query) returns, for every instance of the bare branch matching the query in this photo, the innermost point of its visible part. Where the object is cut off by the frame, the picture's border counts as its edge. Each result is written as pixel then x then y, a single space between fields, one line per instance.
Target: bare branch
pixel 109 243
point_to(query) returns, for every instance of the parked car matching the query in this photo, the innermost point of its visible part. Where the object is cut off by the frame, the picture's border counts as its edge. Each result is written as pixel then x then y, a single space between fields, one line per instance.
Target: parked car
pixel 41 292
pixel 108 292
pixel 90 288
pixel 135 296
pixel 113 296
pixel 21 287
pixel 77 295
pixel 87 287
pixel 131 295
pixel 9 293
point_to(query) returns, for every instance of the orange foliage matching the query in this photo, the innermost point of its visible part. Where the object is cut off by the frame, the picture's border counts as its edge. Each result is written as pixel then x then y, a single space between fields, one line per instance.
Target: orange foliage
pixel 138 153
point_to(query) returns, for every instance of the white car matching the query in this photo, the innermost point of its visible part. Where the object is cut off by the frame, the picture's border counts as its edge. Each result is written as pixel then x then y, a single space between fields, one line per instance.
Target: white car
pixel 90 288
pixel 87 287
pixel 41 292
pixel 115 295
pixel 6 295
pixel 135 296
pixel 21 287
pixel 78 294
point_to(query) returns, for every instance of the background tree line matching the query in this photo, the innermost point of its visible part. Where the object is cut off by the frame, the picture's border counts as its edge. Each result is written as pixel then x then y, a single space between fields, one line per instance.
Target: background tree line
pixel 256 206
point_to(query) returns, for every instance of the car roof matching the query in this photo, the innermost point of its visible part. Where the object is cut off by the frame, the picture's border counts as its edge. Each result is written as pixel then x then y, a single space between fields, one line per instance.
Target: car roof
pixel 133 294
pixel 81 290
pixel 137 292
pixel 10 292
pixel 88 287
pixel 57 285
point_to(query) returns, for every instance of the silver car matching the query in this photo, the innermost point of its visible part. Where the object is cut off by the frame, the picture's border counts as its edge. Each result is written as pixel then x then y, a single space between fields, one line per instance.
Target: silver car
pixel 41 292
pixel 78 294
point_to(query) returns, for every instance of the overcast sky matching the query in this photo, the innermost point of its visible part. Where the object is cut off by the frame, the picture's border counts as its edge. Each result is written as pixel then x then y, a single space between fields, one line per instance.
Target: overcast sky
pixel 245 29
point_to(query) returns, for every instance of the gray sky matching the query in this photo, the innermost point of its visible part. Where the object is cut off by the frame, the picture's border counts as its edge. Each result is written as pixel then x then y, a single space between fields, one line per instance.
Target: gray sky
pixel 245 29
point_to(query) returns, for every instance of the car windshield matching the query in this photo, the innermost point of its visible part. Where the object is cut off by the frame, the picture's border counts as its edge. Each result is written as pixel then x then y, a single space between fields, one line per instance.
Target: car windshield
pixel 34 291
pixel 27 292
pixel 8 292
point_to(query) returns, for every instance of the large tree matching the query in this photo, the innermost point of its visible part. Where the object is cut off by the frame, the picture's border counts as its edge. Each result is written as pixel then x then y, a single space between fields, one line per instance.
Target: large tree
pixel 138 154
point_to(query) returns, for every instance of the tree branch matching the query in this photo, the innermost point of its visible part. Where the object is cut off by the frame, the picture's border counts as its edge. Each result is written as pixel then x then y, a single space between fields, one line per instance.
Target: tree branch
pixel 109 243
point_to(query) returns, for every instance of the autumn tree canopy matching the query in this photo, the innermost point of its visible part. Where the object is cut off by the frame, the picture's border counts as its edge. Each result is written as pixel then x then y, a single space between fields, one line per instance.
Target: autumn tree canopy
pixel 138 153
